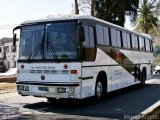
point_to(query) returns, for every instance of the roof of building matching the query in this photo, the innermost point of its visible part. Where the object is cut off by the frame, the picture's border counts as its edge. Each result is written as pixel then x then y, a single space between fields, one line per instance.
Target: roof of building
pixel 5 40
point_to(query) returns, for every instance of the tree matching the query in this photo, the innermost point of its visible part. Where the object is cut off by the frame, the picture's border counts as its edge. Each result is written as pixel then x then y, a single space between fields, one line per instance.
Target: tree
pixel 93 7
pixel 148 13
pixel 115 10
pixel 87 6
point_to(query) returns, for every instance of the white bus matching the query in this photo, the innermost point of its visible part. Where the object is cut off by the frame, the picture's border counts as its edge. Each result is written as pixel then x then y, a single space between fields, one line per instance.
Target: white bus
pixel 79 57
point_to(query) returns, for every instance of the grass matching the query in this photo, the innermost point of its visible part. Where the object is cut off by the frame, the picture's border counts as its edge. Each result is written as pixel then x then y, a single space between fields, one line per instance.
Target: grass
pixel 7 86
pixel 156 60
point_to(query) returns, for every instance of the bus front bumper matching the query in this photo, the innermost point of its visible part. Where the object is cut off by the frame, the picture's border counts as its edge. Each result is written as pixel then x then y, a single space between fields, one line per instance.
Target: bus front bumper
pixel 51 91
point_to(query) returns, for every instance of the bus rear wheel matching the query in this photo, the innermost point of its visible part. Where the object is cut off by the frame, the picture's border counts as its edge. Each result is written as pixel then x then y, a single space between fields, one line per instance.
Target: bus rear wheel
pixel 143 77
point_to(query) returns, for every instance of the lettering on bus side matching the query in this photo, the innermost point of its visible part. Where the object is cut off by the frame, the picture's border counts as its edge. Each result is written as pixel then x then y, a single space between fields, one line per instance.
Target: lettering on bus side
pixel 42 67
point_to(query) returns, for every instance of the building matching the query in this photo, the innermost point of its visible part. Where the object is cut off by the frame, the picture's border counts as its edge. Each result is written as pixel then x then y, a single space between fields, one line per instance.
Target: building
pixel 7 56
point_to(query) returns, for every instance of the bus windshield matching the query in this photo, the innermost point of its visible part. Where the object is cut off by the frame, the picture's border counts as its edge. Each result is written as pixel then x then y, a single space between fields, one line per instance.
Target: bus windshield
pixel 51 41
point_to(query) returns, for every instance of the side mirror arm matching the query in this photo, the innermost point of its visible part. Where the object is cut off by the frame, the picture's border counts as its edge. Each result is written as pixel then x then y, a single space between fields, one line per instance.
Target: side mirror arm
pixel 15 38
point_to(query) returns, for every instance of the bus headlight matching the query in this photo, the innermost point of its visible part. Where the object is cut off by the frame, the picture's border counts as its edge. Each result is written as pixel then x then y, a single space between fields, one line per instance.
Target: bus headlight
pixel 20 87
pixel 61 90
pixel 70 90
pixel 26 88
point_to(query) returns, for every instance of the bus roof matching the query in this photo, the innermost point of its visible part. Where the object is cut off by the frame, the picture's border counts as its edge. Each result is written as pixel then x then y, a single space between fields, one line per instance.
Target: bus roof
pixel 78 17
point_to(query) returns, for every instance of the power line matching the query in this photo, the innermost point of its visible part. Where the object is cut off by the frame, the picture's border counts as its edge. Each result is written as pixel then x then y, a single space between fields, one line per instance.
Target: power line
pixel 8 26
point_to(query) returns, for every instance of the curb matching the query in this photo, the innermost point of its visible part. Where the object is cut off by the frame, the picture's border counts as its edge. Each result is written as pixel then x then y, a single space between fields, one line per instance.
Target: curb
pixel 151 108
pixel 150 112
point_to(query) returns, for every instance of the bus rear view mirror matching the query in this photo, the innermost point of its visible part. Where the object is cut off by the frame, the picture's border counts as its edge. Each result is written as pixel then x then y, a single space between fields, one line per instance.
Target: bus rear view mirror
pixel 82 35
pixel 14 41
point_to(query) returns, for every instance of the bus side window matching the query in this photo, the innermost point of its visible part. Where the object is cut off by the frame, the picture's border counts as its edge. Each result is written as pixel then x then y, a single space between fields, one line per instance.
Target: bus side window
pixel 147 44
pixel 89 50
pixel 100 34
pixel 141 43
pixel 106 35
pixel 137 41
pixel 151 45
pixel 135 44
pixel 113 37
pixel 124 38
pixel 116 37
pixel 128 40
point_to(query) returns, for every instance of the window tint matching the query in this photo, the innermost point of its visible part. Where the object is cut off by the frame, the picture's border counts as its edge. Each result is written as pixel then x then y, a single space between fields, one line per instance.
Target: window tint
pixel 141 43
pixel 151 46
pixel 134 41
pixel 124 38
pixel 118 38
pixel 89 50
pixel 99 31
pixel 106 35
pixel 147 44
pixel 91 37
pixel 86 42
pixel 113 37
pixel 128 40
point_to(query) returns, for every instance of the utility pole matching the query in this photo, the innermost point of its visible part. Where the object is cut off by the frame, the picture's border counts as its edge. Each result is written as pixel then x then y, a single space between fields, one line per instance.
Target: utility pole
pixel 76 7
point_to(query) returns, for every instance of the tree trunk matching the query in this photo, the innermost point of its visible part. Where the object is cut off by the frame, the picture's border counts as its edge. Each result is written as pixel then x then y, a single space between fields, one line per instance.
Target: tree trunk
pixel 76 7
pixel 92 7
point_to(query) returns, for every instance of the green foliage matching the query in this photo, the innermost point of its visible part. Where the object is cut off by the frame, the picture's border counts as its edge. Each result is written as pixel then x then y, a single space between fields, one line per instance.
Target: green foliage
pixel 156 60
pixel 115 10
pixel 157 50
pixel 147 20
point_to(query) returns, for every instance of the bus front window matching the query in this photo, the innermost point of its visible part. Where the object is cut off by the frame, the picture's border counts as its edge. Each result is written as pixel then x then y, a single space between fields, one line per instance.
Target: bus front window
pixel 53 41
pixel 62 41
pixel 30 42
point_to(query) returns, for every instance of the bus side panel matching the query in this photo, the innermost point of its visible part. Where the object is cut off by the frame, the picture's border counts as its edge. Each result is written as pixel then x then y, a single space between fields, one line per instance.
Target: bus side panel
pixel 149 59
pixel 90 71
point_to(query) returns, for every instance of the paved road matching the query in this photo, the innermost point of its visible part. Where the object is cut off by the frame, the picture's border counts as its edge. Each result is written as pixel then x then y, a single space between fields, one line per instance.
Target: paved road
pixel 116 105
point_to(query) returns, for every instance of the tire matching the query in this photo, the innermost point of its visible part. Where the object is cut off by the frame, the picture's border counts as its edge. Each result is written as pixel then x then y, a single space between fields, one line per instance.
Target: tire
pixel 52 100
pixel 99 90
pixel 137 73
pixel 143 78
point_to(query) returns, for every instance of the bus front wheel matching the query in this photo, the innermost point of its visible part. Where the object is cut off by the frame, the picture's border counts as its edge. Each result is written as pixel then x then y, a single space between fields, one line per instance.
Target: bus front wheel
pixel 99 90
pixel 51 100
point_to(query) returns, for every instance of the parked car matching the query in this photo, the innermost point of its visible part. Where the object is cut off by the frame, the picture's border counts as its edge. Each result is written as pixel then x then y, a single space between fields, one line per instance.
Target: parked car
pixel 157 69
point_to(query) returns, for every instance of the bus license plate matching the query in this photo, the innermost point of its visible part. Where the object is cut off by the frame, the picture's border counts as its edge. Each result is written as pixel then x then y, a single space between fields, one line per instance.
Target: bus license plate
pixel 43 89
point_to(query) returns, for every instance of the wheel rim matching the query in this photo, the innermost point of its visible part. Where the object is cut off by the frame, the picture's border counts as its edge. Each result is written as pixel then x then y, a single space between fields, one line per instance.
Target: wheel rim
pixel 99 89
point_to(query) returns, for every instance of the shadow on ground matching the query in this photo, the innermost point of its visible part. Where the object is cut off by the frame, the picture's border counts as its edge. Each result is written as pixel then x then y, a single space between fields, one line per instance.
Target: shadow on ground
pixel 116 105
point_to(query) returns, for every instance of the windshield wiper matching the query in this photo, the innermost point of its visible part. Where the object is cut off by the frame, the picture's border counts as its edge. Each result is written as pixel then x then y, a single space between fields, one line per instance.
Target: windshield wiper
pixel 37 48
pixel 35 51
pixel 53 51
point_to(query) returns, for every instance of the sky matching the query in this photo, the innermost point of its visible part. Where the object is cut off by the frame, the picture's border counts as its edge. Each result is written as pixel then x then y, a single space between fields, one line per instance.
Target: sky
pixel 14 12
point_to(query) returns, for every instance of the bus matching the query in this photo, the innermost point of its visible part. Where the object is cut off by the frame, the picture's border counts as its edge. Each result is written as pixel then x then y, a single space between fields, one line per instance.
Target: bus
pixel 79 56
